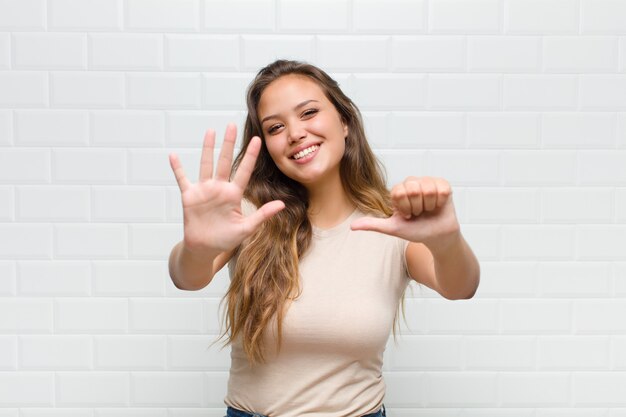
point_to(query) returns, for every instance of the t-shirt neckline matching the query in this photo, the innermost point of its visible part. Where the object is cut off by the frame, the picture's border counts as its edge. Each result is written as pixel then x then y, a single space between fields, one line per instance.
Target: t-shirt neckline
pixel 344 225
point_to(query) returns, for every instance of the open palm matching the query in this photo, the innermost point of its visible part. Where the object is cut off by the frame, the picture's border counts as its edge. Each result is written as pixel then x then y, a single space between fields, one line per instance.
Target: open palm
pixel 212 217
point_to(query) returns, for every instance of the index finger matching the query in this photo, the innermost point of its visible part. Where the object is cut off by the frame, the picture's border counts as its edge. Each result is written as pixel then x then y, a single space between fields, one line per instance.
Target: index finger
pixel 244 171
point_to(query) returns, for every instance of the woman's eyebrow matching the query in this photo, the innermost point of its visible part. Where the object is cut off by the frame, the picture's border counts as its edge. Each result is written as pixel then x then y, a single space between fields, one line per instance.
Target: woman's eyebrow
pixel 304 103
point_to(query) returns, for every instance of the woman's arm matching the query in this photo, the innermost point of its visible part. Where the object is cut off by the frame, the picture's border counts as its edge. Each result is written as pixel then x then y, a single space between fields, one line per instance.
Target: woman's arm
pixel 213 222
pixel 437 256
pixel 192 272
pixel 453 271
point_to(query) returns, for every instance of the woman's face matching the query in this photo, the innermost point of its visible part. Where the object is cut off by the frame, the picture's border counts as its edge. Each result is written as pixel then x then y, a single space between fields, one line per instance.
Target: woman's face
pixel 302 129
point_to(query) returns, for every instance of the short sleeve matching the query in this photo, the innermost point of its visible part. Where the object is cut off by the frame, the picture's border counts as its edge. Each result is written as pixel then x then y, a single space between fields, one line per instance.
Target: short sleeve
pixel 402 245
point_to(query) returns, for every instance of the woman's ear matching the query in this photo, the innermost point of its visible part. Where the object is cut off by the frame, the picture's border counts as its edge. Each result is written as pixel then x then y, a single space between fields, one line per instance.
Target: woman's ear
pixel 345 129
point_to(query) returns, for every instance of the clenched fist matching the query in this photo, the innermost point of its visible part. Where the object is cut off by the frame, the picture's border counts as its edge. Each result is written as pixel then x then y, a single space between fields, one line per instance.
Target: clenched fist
pixel 423 212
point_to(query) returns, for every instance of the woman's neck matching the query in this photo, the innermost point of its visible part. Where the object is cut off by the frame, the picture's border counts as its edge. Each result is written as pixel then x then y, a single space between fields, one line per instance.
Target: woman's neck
pixel 329 204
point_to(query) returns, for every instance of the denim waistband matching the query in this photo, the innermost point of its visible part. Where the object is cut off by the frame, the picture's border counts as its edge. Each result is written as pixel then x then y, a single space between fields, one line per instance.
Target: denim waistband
pixel 233 412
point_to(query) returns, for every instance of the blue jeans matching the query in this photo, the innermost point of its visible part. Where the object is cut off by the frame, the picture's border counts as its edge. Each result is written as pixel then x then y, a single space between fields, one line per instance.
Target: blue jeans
pixel 233 412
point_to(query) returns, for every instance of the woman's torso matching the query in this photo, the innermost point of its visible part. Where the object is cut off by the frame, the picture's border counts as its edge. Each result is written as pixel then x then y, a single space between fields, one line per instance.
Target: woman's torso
pixel 334 334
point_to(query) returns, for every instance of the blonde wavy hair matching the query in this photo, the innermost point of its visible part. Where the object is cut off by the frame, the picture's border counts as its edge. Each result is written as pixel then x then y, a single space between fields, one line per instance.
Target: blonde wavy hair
pixel 262 286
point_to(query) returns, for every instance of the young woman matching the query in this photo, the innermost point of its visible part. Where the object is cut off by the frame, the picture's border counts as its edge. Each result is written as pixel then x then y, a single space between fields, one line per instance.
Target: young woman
pixel 320 252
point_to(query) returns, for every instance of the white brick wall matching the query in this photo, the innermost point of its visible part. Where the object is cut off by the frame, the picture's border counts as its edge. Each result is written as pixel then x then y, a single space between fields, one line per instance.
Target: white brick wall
pixel 520 104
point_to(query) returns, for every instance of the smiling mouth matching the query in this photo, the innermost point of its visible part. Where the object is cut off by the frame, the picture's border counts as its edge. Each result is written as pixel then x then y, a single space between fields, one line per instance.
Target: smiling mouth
pixel 305 152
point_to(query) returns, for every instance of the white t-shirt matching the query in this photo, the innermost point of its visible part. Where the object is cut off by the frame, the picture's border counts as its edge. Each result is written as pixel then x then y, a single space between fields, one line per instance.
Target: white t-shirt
pixel 334 334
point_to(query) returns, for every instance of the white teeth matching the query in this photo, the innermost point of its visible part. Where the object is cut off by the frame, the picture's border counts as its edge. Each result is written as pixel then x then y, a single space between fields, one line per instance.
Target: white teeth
pixel 305 152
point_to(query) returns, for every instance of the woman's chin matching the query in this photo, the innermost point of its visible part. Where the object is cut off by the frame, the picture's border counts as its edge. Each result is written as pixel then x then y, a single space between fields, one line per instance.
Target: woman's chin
pixel 312 179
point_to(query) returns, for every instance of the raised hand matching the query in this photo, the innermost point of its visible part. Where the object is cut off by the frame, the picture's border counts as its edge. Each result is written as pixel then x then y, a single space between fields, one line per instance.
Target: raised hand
pixel 212 217
pixel 423 212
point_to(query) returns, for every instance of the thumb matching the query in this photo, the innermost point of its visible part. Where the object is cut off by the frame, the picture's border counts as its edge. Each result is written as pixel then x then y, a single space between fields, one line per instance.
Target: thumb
pixel 373 224
pixel 264 212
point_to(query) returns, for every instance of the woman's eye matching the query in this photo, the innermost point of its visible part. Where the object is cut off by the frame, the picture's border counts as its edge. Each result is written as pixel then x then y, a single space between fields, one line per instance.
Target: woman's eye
pixel 272 129
pixel 307 113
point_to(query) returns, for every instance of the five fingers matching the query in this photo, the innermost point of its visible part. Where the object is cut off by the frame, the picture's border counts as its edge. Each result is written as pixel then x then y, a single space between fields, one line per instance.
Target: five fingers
pixel 414 195
pixel 223 170
pixel 224 163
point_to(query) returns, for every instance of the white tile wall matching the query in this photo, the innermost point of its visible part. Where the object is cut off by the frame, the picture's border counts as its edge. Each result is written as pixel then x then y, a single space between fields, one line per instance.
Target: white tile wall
pixel 98 315
pixel 603 16
pixel 50 51
pixel 53 278
pixel 464 16
pixel 88 166
pixel 129 352
pixel 602 92
pixel 168 389
pixel 129 277
pixel 162 15
pixel 27 389
pixel 79 15
pixel 55 352
pixel 130 412
pixel 471 92
pixel 189 52
pixel 472 389
pixel 543 389
pixel 51 128
pixel 259 50
pixel 578 130
pixel 22 16
pixel 388 17
pixel 21 241
pixel 63 203
pixel 7 280
pixel 491 352
pixel 87 89
pixel 24 89
pixel 427 130
pixel 520 104
pixel 136 128
pixel 571 54
pixel 539 92
pixel 428 53
pixel 502 54
pixel 541 17
pixel 6 122
pixel 321 16
pixel 80 389
pixel 125 51
pixel 239 16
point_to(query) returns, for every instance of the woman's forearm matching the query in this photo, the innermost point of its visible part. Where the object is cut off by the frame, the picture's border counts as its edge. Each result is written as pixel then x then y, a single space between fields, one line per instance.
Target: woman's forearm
pixel 190 271
pixel 456 269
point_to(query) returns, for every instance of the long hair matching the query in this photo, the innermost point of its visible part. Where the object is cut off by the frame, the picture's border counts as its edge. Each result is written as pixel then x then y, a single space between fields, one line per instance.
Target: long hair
pixel 262 285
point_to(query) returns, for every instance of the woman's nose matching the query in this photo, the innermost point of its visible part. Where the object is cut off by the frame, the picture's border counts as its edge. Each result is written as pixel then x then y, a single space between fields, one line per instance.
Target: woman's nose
pixel 297 132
